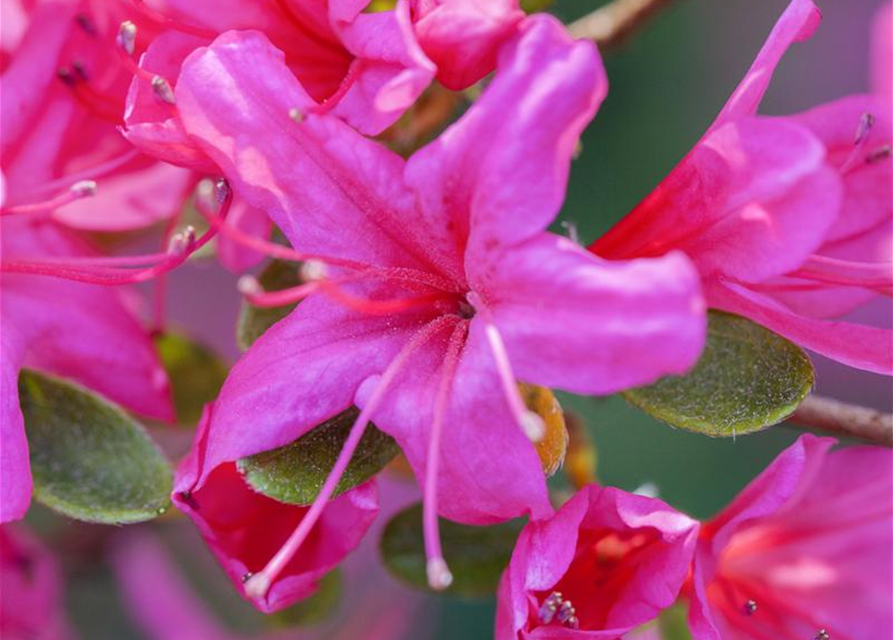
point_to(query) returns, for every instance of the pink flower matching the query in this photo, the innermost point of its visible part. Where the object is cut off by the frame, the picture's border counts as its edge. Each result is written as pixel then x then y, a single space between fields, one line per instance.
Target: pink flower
pixel 440 282
pixel 70 329
pixel 787 220
pixel 31 607
pixel 244 528
pixel 64 82
pixel 607 562
pixel 805 551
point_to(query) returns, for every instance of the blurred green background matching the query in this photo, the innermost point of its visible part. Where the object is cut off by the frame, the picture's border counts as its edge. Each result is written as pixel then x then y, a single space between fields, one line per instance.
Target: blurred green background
pixel 667 83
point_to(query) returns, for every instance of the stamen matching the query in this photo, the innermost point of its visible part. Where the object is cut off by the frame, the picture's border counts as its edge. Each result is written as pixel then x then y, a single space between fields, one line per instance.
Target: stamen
pixel 822 634
pixel 176 25
pixel 295 114
pixel 257 585
pixel 82 189
pixel 750 607
pixel 86 24
pixel 881 153
pixel 312 270
pixel 439 576
pixel 162 89
pixel 126 38
pixel 866 122
pixel 254 293
pixel 549 607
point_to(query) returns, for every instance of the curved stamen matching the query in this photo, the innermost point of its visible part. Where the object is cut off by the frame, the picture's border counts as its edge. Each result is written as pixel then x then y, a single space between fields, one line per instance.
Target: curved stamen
pixel 82 189
pixel 89 174
pixel 870 275
pixel 439 576
pixel 170 23
pixel 258 584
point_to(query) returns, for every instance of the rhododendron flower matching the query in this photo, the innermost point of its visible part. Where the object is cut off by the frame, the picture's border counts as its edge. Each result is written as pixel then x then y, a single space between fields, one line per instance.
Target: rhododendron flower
pixel 788 219
pixel 32 606
pixel 64 82
pixel 606 563
pixel 440 284
pixel 70 329
pixel 244 528
pixel 805 551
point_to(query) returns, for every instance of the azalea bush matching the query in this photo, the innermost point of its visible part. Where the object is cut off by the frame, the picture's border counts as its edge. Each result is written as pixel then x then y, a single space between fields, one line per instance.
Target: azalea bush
pixel 308 333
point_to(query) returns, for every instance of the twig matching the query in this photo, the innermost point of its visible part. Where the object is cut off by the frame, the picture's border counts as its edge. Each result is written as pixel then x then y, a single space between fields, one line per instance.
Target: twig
pixel 845 419
pixel 610 24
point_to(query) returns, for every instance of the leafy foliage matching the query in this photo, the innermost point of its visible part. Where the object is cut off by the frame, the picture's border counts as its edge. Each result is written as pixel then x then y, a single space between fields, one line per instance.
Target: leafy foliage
pixel 195 372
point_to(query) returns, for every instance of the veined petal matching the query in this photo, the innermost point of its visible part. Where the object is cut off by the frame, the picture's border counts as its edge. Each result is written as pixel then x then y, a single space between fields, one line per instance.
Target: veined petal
pixel 586 325
pixel 15 467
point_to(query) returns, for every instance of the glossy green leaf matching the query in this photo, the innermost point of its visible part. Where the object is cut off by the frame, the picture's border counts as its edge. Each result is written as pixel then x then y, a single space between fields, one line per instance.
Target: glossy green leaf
pixel 195 372
pixel 747 379
pixel 296 472
pixel 476 556
pixel 315 609
pixel 254 321
pixel 673 623
pixel 89 459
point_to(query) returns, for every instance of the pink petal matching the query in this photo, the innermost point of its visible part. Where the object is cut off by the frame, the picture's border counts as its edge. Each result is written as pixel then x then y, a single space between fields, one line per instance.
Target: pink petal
pixel 796 24
pixel 245 529
pixel 301 372
pixel 254 222
pixel 546 89
pixel 753 199
pixel 15 466
pixel 586 325
pixel 489 471
pixel 882 53
pixel 462 37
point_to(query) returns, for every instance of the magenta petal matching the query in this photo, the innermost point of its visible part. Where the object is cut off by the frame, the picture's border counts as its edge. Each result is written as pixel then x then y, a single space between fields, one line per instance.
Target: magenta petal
pixel 882 53
pixel 797 23
pixel 15 467
pixel 233 255
pixel 511 188
pixel 619 558
pixel 623 323
pixel 245 529
pixel 858 346
pixel 462 37
pixel 489 470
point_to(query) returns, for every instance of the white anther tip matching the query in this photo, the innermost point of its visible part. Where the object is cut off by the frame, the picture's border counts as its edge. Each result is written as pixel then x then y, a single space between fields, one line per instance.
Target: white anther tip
pixel 533 426
pixel 439 575
pixel 126 38
pixel 249 286
pixel 256 586
pixel 84 188
pixel 312 270
pixel 296 114
pixel 163 90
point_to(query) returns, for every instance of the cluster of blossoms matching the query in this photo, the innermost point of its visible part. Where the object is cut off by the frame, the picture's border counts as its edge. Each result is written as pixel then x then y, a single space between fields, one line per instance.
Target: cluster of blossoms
pixel 429 287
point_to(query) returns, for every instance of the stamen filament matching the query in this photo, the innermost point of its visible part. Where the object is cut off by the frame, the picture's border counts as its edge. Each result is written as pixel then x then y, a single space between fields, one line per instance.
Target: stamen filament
pixel 258 584
pixel 78 190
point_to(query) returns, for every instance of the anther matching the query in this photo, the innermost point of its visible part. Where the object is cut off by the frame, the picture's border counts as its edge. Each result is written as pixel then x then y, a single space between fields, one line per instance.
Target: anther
pixel 565 612
pixel 182 242
pixel 533 426
pixel 85 23
pixel 549 607
pixel 79 70
pixel 246 577
pixel 162 89
pixel 750 607
pixel 822 634
pixel 312 270
pixel 295 114
pixel 126 38
pixel 248 285
pixel 439 575
pixel 221 190
pixel 876 155
pixel 65 75
pixel 866 122
pixel 83 188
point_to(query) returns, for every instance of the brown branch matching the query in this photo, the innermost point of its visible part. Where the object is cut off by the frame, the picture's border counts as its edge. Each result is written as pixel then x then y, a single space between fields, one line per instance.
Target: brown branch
pixel 845 419
pixel 610 24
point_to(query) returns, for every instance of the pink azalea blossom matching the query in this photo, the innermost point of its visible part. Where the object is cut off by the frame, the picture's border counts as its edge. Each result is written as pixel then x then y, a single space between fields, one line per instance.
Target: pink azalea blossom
pixel 606 563
pixel 440 284
pixel 806 548
pixel 788 219
pixel 70 329
pixel 64 82
pixel 31 607
pixel 244 528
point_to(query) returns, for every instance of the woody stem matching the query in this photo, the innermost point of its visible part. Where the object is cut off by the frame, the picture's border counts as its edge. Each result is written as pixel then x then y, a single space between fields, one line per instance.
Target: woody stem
pixel 826 414
pixel 610 24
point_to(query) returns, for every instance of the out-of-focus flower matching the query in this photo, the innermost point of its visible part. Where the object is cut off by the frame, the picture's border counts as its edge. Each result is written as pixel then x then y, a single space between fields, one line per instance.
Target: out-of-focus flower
pixel 244 528
pixel 788 219
pixel 439 284
pixel 64 83
pixel 31 607
pixel 605 563
pixel 71 329
pixel 805 551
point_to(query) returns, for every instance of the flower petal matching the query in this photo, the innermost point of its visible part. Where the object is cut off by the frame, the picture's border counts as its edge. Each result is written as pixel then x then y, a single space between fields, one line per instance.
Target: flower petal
pixel 15 467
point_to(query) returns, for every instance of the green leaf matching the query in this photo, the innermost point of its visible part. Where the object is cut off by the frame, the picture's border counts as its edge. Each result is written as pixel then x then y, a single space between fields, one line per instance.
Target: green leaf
pixel 673 623
pixel 254 321
pixel 89 459
pixel 747 379
pixel 296 472
pixel 476 556
pixel 195 372
pixel 315 609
